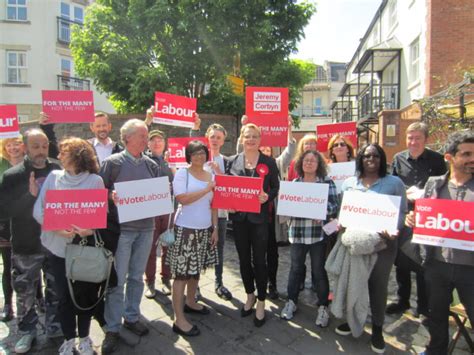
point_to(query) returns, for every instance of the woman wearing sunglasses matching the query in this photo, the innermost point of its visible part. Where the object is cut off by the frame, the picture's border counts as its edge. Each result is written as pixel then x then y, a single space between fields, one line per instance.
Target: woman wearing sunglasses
pixel 340 149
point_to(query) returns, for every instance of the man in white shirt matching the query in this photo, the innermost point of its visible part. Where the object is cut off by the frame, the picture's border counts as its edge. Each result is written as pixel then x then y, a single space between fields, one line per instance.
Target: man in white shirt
pixel 104 146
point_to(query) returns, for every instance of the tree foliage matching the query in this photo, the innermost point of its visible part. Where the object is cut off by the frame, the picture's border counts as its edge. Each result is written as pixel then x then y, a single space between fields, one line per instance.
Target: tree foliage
pixel 132 48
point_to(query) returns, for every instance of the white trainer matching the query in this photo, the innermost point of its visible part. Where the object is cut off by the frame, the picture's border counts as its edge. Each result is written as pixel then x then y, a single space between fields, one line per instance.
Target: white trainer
pixel 323 317
pixel 288 310
pixel 86 347
pixel 68 347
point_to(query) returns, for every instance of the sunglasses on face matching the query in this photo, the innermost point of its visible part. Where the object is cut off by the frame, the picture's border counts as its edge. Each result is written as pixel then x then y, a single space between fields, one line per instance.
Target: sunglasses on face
pixel 342 144
pixel 368 156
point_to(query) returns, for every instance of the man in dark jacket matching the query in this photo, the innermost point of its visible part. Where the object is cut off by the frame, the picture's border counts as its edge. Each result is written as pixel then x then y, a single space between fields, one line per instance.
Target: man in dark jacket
pixel 28 255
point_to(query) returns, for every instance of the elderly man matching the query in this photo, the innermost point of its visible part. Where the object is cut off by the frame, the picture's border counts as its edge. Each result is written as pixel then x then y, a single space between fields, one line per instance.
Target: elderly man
pixel 28 255
pixel 135 239
pixel 104 146
pixel 446 268
pixel 414 166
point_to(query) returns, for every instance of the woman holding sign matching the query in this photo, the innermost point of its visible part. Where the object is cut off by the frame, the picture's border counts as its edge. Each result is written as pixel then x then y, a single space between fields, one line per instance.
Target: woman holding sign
pixel 80 172
pixel 306 235
pixel 372 178
pixel 251 229
pixel 196 235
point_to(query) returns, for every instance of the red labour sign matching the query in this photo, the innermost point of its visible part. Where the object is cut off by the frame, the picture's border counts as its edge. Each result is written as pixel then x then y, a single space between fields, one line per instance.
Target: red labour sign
pixel 176 150
pixel 326 131
pixel 444 223
pixel 237 193
pixel 174 110
pixel 8 122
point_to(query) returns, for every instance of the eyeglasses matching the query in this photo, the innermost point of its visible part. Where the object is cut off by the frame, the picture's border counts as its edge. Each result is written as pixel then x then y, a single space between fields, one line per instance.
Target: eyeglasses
pixel 368 156
pixel 342 144
pixel 201 152
pixel 309 161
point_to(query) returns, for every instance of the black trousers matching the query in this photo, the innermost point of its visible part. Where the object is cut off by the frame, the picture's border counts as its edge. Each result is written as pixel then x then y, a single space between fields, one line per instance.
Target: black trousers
pixel 251 245
pixel 272 254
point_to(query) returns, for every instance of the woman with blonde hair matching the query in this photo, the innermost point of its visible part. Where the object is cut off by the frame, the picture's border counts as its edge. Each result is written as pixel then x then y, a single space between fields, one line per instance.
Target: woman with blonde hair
pixel 308 142
pixel 340 149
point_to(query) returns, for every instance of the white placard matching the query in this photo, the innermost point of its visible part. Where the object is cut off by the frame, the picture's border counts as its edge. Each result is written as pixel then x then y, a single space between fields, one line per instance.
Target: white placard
pixel 339 172
pixel 303 199
pixel 370 211
pixel 145 198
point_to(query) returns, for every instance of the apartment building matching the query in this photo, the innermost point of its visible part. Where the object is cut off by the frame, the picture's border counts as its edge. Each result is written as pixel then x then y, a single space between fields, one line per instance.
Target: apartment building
pixel 35 54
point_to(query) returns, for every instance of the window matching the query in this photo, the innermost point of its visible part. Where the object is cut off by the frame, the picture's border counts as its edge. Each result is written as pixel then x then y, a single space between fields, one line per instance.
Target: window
pixel 16 10
pixel 68 15
pixel 317 106
pixel 78 14
pixel 392 14
pixel 414 73
pixel 66 67
pixel 16 67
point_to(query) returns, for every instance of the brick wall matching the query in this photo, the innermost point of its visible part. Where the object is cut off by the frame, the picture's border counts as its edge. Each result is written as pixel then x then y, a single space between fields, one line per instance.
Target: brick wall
pixel 450 42
pixel 230 123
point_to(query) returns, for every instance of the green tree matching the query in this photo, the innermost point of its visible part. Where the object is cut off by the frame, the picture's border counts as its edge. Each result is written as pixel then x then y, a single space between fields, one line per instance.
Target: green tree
pixel 132 48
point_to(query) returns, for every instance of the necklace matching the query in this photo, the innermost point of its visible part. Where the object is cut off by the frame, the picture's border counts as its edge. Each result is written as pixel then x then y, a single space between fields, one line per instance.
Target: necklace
pixel 250 164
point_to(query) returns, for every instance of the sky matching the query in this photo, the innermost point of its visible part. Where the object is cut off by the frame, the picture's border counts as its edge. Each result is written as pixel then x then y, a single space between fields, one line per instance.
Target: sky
pixel 335 29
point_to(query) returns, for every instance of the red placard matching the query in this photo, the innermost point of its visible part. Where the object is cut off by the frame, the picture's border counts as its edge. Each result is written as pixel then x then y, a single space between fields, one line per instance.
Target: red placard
pixel 68 106
pixel 177 147
pixel 84 208
pixel 267 107
pixel 174 110
pixel 8 122
pixel 444 223
pixel 326 131
pixel 237 193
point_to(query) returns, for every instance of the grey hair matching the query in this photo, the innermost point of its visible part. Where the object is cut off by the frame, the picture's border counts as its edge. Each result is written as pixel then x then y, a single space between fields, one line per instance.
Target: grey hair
pixel 33 132
pixel 420 127
pixel 130 127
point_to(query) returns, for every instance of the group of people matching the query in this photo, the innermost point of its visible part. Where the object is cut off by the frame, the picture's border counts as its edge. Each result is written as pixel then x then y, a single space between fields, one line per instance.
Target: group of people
pixel 29 170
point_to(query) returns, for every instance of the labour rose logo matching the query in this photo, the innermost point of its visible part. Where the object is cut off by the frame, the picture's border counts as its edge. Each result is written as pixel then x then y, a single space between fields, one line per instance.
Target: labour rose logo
pixel 262 170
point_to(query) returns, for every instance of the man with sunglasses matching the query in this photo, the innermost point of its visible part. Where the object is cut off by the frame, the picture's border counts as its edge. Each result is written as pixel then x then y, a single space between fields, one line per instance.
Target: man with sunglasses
pixel 413 166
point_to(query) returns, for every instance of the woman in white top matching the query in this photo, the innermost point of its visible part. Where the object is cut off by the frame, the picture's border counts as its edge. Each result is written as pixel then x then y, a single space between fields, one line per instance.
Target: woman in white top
pixel 196 235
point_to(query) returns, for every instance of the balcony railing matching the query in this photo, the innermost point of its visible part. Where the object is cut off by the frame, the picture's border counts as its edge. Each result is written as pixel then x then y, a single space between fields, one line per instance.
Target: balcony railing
pixel 70 83
pixel 381 97
pixel 64 29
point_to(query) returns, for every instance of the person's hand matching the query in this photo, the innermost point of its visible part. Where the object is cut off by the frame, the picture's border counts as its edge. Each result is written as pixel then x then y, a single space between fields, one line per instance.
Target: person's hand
pixel 290 121
pixel 43 118
pixel 386 235
pixel 114 197
pixel 166 156
pixel 215 167
pixel 149 115
pixel 410 219
pixel 244 120
pixel 34 189
pixel 197 122
pixel 214 238
pixel 81 232
pixel 66 233
pixel 210 186
pixel 263 197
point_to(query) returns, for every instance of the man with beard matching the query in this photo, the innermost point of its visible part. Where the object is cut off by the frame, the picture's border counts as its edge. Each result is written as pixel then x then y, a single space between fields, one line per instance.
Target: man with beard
pixel 104 146
pixel 28 255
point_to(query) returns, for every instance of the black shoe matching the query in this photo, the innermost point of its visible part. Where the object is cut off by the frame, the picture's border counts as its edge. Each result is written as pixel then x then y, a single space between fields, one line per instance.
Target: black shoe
pixel 190 333
pixel 377 341
pixel 273 292
pixel 203 310
pixel 343 329
pixel 246 312
pixel 137 327
pixel 259 322
pixel 395 308
pixel 223 293
pixel 7 313
pixel 110 343
pixel 420 312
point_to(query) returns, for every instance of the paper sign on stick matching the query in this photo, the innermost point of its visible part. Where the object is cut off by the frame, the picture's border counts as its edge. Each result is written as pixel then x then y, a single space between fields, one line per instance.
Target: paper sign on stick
pixel 339 172
pixel 370 212
pixel 86 209
pixel 444 223
pixel 145 198
pixel 267 107
pixel 174 110
pixel 9 127
pixel 237 193
pixel 176 149
pixel 68 106
pixel 304 200
pixel 326 131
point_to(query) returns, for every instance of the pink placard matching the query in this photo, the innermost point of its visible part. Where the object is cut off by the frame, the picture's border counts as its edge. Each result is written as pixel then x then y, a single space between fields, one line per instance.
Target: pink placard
pixel 326 131
pixel 86 209
pixel 9 127
pixel 237 193
pixel 68 106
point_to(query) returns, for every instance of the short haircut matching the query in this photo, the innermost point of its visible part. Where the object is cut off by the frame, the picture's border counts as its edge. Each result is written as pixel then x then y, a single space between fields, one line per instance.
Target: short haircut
pixel 129 127
pixel 193 147
pixel 216 127
pixel 102 114
pixel 333 140
pixel 249 126
pixel 457 138
pixel 321 170
pixel 420 127
pixel 360 159
pixel 33 132
pixel 5 142
pixel 81 153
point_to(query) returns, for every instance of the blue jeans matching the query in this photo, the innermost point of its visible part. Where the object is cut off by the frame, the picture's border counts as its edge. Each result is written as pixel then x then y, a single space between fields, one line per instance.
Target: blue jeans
pixel 130 262
pixel 222 228
pixel 298 252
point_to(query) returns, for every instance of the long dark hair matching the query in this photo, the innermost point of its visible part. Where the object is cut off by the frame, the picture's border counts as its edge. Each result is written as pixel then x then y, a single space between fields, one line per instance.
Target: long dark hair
pixel 360 158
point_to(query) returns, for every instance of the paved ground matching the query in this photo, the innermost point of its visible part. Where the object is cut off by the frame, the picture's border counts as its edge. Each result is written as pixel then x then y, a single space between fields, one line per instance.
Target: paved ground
pixel 225 332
